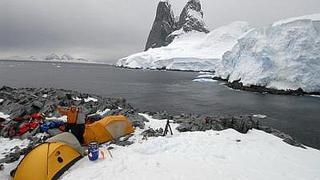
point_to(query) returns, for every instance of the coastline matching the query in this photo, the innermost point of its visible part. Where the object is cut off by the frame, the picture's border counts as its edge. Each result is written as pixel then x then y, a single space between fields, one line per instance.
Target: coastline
pixel 237 85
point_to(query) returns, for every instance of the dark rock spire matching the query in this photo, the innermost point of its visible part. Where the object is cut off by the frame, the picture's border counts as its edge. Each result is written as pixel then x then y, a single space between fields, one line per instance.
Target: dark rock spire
pixel 163 26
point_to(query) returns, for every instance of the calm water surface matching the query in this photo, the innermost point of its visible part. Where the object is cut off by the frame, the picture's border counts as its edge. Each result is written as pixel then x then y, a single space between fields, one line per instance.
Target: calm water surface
pixel 174 92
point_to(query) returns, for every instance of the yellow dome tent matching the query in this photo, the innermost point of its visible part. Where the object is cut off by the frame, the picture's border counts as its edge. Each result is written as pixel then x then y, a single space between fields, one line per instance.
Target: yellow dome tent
pixel 48 160
pixel 108 128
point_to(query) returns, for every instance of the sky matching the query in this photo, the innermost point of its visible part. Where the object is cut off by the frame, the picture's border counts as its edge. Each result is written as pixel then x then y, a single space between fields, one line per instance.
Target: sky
pixel 106 30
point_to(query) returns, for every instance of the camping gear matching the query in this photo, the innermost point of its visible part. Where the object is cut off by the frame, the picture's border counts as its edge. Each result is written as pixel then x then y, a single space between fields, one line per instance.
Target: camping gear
pixel 93 151
pixel 27 126
pixel 167 128
pixel 50 125
pixel 93 118
pixel 67 138
pixel 108 128
pixel 49 160
pixel 71 113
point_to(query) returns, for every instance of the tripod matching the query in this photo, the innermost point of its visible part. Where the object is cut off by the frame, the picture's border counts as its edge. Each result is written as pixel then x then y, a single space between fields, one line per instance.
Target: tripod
pixel 167 128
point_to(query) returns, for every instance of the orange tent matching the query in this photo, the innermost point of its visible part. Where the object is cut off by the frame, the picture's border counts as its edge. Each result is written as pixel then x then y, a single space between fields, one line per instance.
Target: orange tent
pixel 47 161
pixel 108 128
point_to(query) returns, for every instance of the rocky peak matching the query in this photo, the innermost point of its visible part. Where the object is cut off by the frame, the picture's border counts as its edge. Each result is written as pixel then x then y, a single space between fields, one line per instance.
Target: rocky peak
pixel 66 57
pixel 52 56
pixel 163 25
pixel 191 17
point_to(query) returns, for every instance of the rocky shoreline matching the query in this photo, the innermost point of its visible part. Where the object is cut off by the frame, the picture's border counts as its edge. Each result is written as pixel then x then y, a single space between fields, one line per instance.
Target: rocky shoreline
pixel 24 101
pixel 159 69
pixel 238 85
pixel 262 89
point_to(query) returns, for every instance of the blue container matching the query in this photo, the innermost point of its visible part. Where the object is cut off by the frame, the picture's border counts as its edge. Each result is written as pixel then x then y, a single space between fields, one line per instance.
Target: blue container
pixel 93 151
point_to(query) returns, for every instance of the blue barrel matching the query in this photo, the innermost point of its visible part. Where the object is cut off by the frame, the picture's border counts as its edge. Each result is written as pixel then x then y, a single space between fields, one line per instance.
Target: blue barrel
pixel 93 151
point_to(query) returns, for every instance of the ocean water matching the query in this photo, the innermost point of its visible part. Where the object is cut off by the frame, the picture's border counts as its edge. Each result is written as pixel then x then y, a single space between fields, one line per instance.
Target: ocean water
pixel 174 92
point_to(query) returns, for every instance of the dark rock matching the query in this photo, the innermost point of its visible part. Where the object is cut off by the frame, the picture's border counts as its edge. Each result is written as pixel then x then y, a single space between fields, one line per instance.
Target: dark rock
pixel 262 89
pixel 241 124
pixel 123 141
pixel 137 120
pixel 191 17
pixel 163 25
pixel 161 115
pixel 152 132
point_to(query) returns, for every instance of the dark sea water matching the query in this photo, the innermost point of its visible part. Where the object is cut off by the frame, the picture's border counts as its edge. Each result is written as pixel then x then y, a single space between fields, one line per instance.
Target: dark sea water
pixel 174 92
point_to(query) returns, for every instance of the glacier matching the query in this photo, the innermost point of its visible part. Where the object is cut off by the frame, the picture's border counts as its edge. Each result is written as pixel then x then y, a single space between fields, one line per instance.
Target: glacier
pixel 283 56
pixel 197 51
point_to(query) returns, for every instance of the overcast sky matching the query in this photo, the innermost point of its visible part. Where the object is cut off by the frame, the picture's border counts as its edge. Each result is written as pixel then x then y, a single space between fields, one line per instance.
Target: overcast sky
pixel 110 29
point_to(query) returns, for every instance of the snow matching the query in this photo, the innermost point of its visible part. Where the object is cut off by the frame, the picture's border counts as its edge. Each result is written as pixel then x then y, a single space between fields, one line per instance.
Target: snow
pixel 284 56
pixel 88 99
pixel 4 116
pixel 204 80
pixel 7 144
pixel 189 51
pixel 206 76
pixel 260 116
pixel 315 96
pixel 1 100
pixel 76 98
pixel 198 155
pixel 65 58
pixel 202 155
pixel 61 118
pixel 312 17
pixel 104 112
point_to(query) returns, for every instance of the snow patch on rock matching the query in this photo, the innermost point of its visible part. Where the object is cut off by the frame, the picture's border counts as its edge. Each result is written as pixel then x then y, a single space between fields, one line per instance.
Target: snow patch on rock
pixel 4 116
pixel 88 99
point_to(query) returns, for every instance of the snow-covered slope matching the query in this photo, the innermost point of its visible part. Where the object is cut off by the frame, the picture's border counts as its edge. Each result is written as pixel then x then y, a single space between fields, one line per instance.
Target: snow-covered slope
pixel 285 55
pixel 208 155
pixel 49 58
pixel 189 51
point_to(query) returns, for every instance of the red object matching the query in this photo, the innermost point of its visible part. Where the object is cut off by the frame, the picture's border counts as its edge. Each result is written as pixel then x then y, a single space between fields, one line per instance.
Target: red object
pixel 36 116
pixel 18 119
pixel 27 126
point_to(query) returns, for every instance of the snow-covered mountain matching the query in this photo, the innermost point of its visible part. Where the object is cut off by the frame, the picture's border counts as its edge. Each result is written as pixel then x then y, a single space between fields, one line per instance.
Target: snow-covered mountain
pixel 190 50
pixel 190 19
pixel 284 55
pixel 186 43
pixel 53 57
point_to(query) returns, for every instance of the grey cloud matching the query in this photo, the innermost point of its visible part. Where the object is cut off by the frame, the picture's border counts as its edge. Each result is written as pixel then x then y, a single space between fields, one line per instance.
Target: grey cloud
pixel 110 29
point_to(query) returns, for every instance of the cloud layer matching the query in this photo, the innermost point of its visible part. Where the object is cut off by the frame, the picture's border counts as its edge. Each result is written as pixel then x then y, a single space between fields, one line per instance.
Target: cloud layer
pixel 110 29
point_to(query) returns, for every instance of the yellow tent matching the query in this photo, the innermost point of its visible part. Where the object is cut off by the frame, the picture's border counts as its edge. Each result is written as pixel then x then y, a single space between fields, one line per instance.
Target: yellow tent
pixel 108 128
pixel 46 161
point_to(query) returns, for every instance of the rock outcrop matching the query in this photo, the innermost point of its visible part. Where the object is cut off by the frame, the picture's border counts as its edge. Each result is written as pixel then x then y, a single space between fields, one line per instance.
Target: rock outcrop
pixel 191 19
pixel 24 101
pixel 52 56
pixel 163 25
